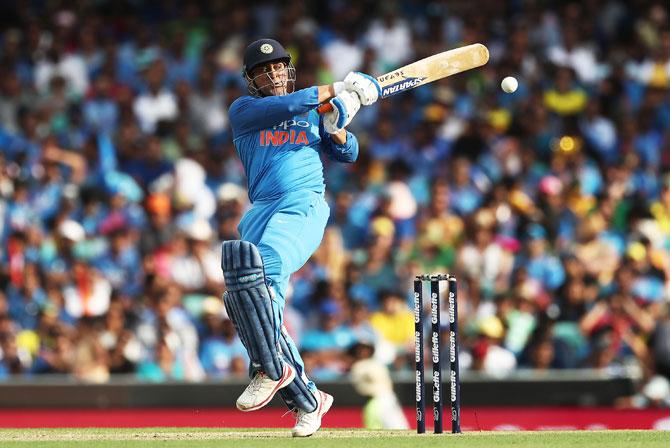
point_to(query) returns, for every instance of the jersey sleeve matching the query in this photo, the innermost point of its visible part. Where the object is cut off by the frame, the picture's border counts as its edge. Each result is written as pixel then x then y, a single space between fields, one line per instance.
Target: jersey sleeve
pixel 346 153
pixel 248 114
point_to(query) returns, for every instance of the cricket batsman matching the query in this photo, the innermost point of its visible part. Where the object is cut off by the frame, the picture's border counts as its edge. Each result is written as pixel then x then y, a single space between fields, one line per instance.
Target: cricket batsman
pixel 279 137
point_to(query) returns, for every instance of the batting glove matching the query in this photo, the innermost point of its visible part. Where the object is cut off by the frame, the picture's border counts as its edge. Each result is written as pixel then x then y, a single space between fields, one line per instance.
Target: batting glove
pixel 345 105
pixel 365 86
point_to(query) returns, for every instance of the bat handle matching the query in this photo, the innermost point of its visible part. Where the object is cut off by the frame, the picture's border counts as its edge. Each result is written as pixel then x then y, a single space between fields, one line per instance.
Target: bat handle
pixel 324 108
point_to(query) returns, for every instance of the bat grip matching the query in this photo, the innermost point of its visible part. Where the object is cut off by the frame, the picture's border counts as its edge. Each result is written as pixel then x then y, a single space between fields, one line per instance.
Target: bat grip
pixel 324 108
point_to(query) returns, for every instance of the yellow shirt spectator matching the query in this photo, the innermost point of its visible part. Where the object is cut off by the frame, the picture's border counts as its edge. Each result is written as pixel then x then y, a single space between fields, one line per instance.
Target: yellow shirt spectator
pixel 395 321
pixel 565 103
pixel 564 98
pixel 662 216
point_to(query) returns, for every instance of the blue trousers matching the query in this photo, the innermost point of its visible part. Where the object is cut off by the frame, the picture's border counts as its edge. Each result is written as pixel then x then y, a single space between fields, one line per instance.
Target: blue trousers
pixel 286 231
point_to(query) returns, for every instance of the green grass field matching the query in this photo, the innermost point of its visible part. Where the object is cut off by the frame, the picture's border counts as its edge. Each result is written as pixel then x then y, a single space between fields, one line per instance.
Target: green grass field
pixel 274 438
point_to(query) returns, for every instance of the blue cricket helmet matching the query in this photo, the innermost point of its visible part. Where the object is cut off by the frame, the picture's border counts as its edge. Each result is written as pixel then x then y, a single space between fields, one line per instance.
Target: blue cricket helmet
pixel 263 51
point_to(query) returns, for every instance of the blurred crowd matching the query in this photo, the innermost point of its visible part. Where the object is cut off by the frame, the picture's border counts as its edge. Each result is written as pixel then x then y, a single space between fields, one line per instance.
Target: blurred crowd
pixel 119 181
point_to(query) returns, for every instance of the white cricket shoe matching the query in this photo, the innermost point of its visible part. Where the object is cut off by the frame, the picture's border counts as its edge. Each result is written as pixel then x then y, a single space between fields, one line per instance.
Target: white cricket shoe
pixel 262 388
pixel 309 422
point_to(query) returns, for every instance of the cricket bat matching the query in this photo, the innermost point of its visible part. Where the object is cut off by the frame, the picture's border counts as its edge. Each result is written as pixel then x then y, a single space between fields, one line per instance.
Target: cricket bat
pixel 427 70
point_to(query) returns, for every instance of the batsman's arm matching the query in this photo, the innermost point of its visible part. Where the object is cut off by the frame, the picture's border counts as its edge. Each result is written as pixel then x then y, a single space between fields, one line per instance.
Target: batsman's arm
pixel 249 114
pixel 326 92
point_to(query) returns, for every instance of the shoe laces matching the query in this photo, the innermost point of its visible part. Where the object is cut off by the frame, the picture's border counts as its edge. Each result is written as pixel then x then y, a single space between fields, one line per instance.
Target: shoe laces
pixel 296 414
pixel 290 411
pixel 256 382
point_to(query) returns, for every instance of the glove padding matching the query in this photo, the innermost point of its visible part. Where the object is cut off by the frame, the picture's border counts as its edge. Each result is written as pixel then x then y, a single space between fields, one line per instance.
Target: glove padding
pixel 365 86
pixel 345 105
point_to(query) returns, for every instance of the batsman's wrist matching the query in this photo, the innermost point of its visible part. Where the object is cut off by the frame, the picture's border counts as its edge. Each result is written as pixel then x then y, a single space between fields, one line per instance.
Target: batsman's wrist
pixel 339 137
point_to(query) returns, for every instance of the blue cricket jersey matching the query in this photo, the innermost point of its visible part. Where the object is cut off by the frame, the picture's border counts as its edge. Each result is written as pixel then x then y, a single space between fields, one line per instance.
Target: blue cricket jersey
pixel 278 139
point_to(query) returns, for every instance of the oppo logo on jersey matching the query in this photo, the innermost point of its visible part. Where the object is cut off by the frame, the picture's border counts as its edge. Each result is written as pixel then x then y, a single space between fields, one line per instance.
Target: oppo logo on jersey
pixel 290 123
pixel 276 137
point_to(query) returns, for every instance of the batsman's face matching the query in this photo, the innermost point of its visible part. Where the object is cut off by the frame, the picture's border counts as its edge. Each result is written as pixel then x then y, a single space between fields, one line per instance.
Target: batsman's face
pixel 271 79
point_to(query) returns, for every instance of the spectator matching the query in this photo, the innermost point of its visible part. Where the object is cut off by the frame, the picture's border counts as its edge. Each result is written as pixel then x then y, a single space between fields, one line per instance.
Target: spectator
pixel 330 335
pixel 117 338
pixel 488 354
pixel 160 230
pixel 57 63
pixel 542 266
pixel 193 265
pixel 221 351
pixel 10 360
pixel 206 106
pixel 11 100
pixel 565 98
pixel 465 197
pixel 577 55
pixel 165 367
pixel 343 54
pixel 100 111
pixel 91 363
pixel 394 322
pixel 26 301
pixel 390 37
pixel 158 103
pixel 87 293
